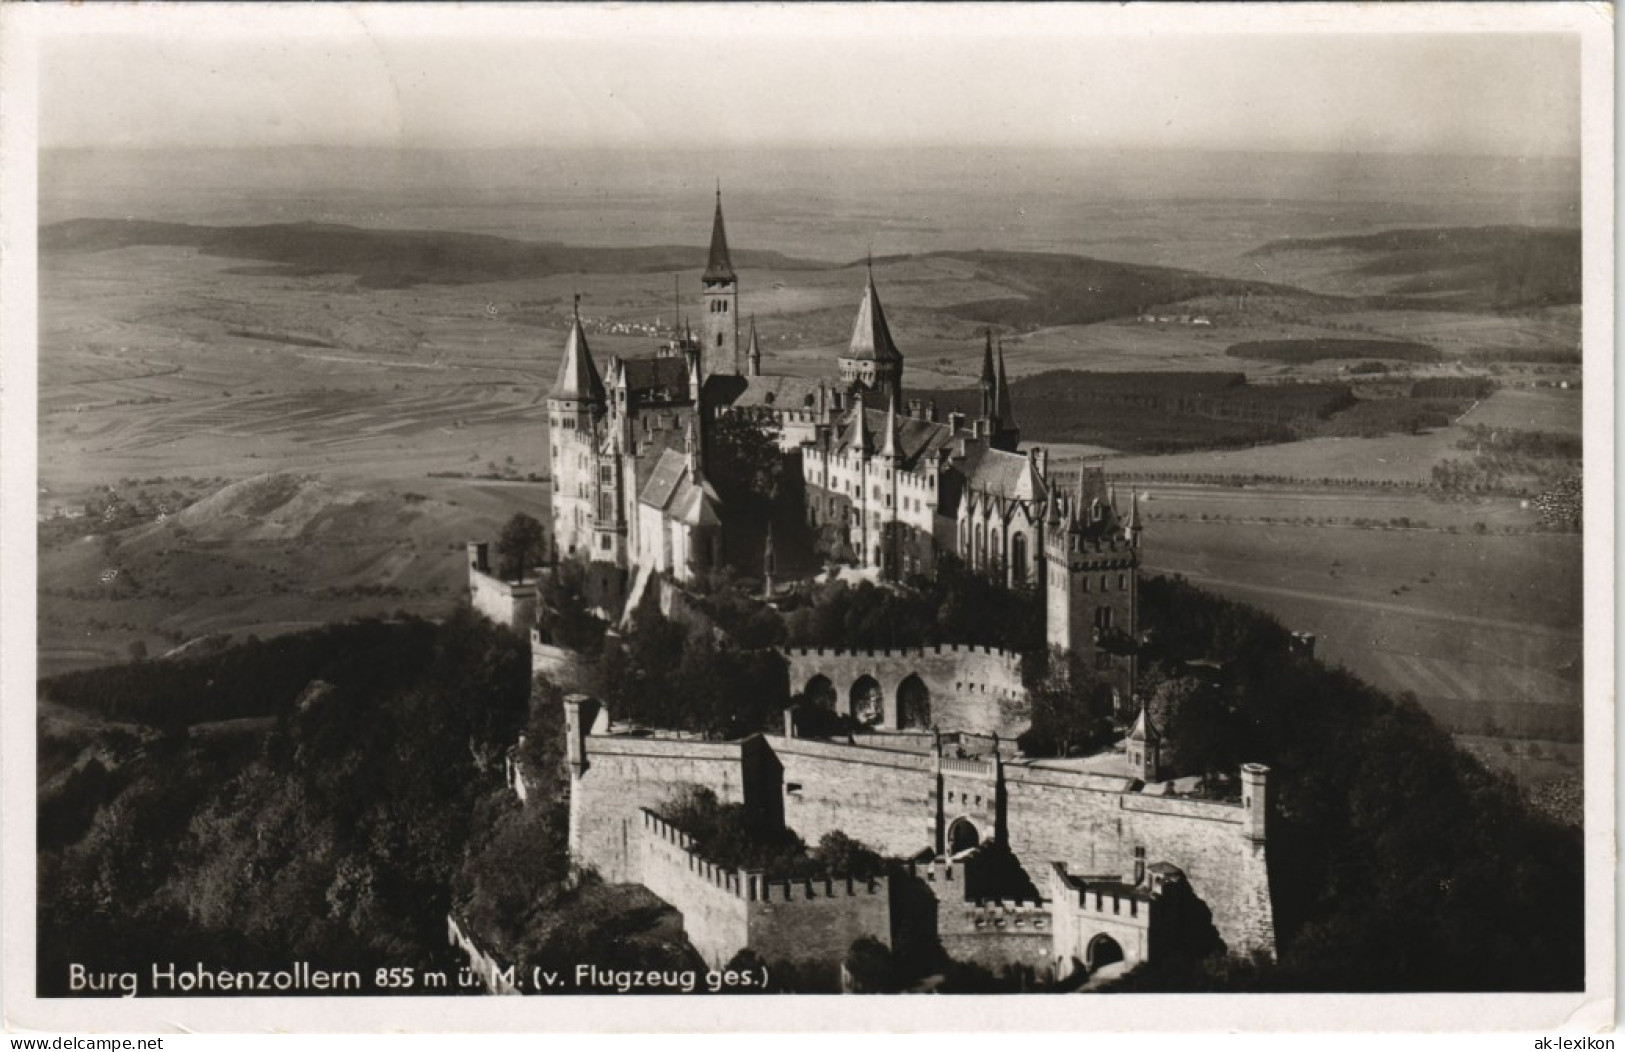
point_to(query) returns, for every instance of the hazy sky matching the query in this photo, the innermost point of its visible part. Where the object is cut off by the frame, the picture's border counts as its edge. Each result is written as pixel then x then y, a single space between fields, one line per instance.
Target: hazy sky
pixel 838 76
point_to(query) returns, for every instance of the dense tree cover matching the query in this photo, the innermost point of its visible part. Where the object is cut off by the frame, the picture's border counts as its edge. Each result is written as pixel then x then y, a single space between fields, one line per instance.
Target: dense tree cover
pixel 745 463
pixel 870 968
pixel 259 678
pixel 1071 707
pixel 522 546
pixel 662 673
pixel 734 605
pixel 956 605
pixel 1397 861
pixel 331 839
pixel 562 613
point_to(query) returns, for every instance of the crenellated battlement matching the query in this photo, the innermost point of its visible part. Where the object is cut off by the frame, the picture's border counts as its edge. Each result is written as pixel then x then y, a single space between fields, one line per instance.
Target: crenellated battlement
pixel 901 652
pixel 753 887
pixel 994 917
pixel 1130 903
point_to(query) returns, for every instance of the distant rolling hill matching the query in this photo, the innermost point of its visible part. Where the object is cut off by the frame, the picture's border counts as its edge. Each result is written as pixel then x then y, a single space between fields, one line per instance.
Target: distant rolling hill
pixel 391 258
pixel 1470 268
pixel 1075 290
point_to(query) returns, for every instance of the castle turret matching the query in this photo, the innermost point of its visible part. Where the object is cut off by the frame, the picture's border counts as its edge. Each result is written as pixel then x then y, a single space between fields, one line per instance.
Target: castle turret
pixel 1005 434
pixel 1091 586
pixel 857 434
pixel 577 396
pixel 1144 746
pixel 580 711
pixel 720 353
pixel 1255 800
pixel 753 357
pixel 989 380
pixel 891 448
pixel 872 359
pixel 576 406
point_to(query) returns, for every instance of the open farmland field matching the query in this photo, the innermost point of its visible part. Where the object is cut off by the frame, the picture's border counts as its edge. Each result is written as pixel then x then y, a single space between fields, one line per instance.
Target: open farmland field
pixel 1530 409
pixel 1546 334
pixel 160 361
pixel 1484 629
pixel 262 556
pixel 1389 458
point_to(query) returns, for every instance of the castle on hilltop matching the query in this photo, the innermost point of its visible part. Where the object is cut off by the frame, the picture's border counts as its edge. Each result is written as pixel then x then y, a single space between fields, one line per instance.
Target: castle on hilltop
pixel 1055 868
pixel 894 483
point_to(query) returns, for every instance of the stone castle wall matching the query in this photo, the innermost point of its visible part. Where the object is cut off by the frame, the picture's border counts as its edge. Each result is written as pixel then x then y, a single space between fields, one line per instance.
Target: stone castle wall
pixel 503 602
pixel 625 775
pixel 807 923
pixel 973 689
pixel 885 798
pixel 896 801
pixel 715 911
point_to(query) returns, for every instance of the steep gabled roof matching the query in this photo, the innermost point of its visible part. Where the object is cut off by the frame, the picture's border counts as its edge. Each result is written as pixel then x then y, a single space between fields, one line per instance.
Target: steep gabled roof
pixel 1012 476
pixel 780 392
pixel 916 439
pixel 654 374
pixel 871 338
pixel 665 479
pixel 718 267
pixel 578 376
pixel 673 489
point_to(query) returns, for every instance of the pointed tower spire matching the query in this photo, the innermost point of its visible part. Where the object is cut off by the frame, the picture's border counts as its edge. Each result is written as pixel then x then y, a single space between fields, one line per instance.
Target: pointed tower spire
pixel 691 443
pixel 753 357
pixel 989 381
pixel 892 447
pixel 578 379
pixel 1003 411
pixel 718 266
pixel 872 358
pixel 858 435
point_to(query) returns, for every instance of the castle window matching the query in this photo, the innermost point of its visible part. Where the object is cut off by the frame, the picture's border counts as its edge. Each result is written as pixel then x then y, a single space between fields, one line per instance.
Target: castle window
pixel 719 339
pixel 1122 582
pixel 1104 584
pixel 1103 659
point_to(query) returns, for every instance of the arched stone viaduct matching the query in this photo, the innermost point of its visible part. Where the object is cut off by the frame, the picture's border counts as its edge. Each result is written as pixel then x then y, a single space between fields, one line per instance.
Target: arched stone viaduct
pixel 964 688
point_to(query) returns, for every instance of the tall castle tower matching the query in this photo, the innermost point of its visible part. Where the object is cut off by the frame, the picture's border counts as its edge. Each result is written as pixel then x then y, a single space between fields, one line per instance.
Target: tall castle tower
pixel 575 410
pixel 872 360
pixel 1091 586
pixel 720 340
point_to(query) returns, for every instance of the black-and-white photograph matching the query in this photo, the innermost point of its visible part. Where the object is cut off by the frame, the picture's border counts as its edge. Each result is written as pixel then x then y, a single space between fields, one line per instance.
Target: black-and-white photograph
pixel 710 499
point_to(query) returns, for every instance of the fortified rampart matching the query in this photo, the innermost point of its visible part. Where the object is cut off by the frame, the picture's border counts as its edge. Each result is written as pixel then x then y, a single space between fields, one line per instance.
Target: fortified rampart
pixel 966 688
pixel 907 800
pixel 997 934
pixel 810 923
pixel 619 775
pixel 504 602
